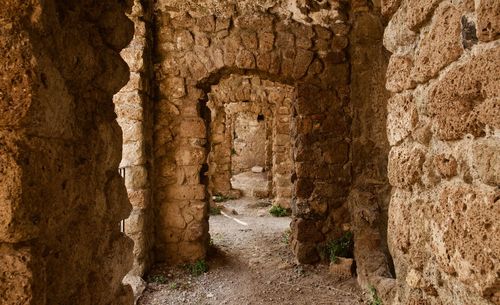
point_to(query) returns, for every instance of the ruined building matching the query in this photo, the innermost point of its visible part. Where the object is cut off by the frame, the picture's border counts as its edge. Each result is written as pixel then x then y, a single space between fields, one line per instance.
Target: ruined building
pixel 378 117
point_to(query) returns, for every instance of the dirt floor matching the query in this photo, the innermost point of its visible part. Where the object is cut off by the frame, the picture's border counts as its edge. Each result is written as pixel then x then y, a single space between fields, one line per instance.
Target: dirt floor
pixel 250 264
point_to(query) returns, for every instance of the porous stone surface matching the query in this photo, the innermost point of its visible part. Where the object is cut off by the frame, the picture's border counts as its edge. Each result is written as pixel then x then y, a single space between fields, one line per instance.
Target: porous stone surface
pixel 202 44
pixel 61 197
pixel 133 105
pixel 369 190
pixel 443 164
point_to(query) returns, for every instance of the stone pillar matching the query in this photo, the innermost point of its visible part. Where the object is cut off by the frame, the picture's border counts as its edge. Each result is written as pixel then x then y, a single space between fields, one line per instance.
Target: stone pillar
pixel 133 105
pixel 61 197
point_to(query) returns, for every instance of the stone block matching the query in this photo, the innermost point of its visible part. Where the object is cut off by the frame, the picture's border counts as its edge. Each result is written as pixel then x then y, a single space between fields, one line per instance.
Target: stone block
pixel 402 117
pixel 399 73
pixel 488 20
pixel 405 165
pixel 245 60
pixel 186 192
pixel 440 46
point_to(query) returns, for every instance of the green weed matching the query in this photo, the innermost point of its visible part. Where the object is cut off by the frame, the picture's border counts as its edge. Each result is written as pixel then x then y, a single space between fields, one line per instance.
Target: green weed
pixel 375 298
pixel 341 247
pixel 157 278
pixel 215 211
pixel 278 211
pixel 198 268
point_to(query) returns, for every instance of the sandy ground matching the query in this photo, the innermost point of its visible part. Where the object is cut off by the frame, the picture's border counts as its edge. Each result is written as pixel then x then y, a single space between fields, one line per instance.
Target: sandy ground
pixel 250 264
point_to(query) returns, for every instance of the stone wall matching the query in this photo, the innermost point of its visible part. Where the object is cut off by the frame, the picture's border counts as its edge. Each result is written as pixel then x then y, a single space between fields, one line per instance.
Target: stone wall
pixel 133 105
pixel 443 127
pixel 370 189
pixel 198 49
pixel 61 197
pixel 274 101
pixel 249 141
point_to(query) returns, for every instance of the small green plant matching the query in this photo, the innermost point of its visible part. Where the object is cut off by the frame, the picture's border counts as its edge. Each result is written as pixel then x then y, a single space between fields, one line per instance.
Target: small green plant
pixel 173 285
pixel 285 238
pixel 157 278
pixel 375 298
pixel 341 247
pixel 278 211
pixel 215 211
pixel 198 268
pixel 221 198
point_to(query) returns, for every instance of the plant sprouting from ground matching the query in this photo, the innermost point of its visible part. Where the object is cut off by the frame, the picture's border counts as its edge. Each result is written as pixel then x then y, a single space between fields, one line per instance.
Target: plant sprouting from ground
pixel 174 285
pixel 375 298
pixel 221 198
pixel 215 211
pixel 157 278
pixel 197 268
pixel 285 238
pixel 341 247
pixel 278 211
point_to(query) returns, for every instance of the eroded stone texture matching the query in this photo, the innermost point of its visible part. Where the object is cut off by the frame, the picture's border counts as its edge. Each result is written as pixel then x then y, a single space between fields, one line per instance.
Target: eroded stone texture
pixel 443 165
pixel 133 105
pixel 284 47
pixel 370 191
pixel 61 198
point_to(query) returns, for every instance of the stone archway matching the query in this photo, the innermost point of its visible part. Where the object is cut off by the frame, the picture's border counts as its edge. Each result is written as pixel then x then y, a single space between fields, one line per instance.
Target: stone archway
pixel 197 53
pixel 274 100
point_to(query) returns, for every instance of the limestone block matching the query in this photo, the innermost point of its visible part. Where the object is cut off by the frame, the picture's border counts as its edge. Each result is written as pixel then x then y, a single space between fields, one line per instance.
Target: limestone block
pixel 255 22
pixel 417 12
pixel 486 160
pixel 171 215
pixel 397 34
pixel 389 7
pixel 342 270
pixel 488 19
pixel 399 73
pixel 136 177
pixel 249 40
pixel 440 46
pixel 451 100
pixel 139 198
pixel 402 117
pixel 305 253
pixel 133 154
pixel 206 23
pixel 183 21
pixel 303 59
pixel 245 60
pixel 489 112
pixel 192 128
pixel 186 192
pixel 184 40
pixel 405 165
pixel 132 130
pixel 305 230
pixel 446 165
pixel 266 41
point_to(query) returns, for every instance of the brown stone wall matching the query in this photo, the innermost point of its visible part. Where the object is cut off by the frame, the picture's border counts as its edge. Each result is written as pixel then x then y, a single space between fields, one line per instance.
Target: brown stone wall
pixel 133 105
pixel 274 101
pixel 370 190
pixel 444 162
pixel 249 142
pixel 195 51
pixel 61 198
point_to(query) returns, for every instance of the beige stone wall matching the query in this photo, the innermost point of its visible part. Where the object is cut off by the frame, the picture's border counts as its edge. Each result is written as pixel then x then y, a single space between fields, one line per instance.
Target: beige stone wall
pixel 249 141
pixel 443 128
pixel 196 51
pixel 274 101
pixel 61 198
pixel 133 105
pixel 370 189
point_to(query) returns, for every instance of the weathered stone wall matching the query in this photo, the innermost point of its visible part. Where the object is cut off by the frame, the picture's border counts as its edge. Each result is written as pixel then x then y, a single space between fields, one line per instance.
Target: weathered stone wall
pixel 195 51
pixel 443 126
pixel 249 141
pixel 133 105
pixel 61 197
pixel 370 190
pixel 274 101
